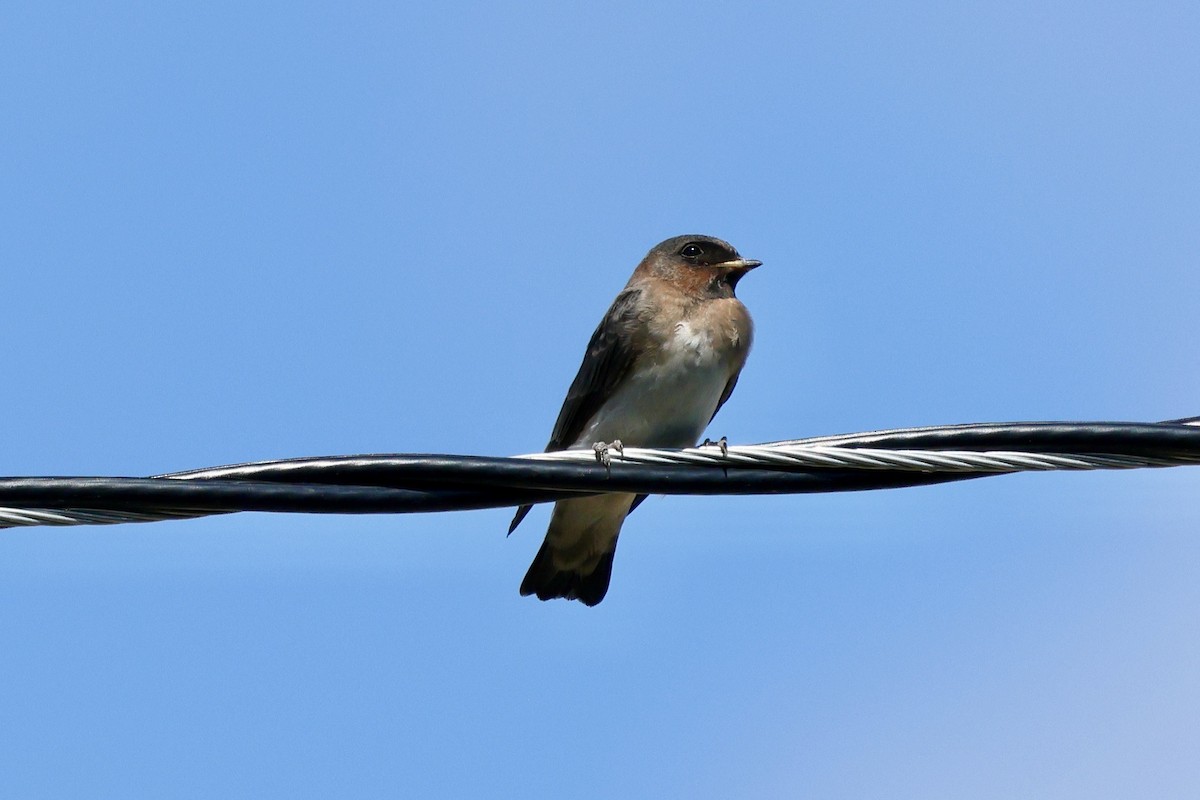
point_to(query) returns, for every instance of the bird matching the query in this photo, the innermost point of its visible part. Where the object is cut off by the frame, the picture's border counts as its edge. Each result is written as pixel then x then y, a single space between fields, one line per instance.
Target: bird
pixel 661 363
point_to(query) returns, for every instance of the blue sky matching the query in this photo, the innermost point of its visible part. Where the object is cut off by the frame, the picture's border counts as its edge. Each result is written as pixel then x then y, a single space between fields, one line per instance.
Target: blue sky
pixel 236 233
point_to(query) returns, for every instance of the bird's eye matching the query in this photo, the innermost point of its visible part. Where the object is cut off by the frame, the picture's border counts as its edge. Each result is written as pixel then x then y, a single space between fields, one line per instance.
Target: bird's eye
pixel 691 252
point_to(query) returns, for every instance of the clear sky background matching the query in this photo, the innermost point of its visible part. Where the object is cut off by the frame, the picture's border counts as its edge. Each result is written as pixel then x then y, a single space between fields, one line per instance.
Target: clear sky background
pixel 236 232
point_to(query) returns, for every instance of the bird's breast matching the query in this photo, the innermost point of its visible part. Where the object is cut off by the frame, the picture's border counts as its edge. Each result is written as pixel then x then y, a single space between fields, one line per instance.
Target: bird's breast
pixel 673 390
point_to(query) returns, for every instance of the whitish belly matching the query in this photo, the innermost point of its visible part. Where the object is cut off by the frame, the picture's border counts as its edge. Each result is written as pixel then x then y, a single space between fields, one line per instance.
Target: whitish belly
pixel 667 403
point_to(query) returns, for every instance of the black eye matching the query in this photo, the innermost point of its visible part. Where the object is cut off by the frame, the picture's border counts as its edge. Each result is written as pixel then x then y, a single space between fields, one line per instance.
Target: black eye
pixel 691 252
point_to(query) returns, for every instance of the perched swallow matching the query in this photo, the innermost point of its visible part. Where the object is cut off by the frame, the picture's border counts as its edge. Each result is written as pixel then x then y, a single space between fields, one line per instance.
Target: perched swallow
pixel 662 362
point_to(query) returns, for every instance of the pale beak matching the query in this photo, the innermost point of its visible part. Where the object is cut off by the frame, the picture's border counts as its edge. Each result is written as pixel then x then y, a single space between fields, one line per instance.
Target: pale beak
pixel 736 268
pixel 740 265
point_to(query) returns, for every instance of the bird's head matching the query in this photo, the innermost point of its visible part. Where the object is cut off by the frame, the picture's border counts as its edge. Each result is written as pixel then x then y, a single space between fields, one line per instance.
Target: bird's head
pixel 703 264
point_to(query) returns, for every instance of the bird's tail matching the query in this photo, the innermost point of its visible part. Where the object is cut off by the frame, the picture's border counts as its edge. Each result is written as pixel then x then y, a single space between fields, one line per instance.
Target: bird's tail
pixel 576 559
pixel 548 581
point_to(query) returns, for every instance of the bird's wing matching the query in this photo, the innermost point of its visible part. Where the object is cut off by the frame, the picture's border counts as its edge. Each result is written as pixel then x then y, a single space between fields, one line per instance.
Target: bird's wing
pixel 725 395
pixel 610 355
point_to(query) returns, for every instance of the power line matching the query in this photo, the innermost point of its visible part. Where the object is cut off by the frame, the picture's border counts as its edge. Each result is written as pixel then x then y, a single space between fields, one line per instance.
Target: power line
pixel 409 483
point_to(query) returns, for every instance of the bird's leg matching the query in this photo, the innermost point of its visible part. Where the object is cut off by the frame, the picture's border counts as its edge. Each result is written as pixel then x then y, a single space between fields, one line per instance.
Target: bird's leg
pixel 604 451
pixel 722 443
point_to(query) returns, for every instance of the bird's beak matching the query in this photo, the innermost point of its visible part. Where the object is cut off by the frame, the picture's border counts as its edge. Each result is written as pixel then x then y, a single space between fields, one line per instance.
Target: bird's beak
pixel 734 269
pixel 741 265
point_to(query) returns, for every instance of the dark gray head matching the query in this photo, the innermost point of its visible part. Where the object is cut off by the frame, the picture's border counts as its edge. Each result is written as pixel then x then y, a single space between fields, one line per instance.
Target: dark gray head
pixel 697 262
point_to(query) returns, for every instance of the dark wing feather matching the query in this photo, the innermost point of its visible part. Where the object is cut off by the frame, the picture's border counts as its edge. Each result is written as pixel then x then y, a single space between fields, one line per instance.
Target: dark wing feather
pixel 725 395
pixel 610 355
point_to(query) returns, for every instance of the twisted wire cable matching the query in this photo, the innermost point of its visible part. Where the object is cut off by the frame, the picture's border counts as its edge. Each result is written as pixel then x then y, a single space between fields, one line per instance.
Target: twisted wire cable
pixel 408 483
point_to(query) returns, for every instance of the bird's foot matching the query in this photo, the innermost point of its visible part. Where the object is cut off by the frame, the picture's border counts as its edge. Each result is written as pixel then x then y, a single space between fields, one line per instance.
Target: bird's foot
pixel 722 443
pixel 604 451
